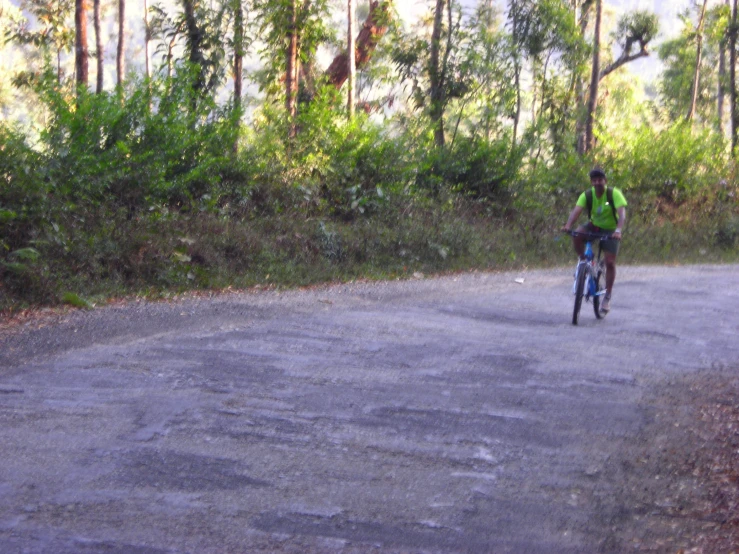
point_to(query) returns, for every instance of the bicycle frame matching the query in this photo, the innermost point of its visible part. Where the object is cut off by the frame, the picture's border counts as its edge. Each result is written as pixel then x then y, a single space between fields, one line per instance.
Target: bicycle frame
pixel 588 273
pixel 590 265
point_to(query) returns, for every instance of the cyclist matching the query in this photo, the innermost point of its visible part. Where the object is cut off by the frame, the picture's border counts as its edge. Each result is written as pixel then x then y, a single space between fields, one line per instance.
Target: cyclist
pixel 606 209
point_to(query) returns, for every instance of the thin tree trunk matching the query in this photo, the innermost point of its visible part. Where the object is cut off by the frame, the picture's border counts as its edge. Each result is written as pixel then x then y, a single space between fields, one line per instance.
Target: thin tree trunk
pixel 81 55
pixel 582 18
pixel 437 95
pixel 594 79
pixel 238 53
pixel 732 78
pixel 238 64
pixel 98 47
pixel 698 57
pixel 352 57
pixel 147 39
pixel 516 70
pixel 721 97
pixel 119 66
pixel 291 81
pixel 488 84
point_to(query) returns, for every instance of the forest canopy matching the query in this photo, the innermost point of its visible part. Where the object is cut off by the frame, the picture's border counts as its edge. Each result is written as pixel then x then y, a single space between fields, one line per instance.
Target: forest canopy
pixel 153 145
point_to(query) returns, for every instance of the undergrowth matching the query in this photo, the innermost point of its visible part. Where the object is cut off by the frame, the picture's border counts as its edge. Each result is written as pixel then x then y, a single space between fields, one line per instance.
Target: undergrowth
pixel 154 193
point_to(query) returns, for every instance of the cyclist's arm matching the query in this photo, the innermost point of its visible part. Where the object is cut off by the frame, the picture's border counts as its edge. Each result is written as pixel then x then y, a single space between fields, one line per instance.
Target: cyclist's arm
pixel 621 222
pixel 574 214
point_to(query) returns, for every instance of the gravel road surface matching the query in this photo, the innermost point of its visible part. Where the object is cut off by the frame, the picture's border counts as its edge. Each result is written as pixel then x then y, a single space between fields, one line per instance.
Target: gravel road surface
pixel 455 414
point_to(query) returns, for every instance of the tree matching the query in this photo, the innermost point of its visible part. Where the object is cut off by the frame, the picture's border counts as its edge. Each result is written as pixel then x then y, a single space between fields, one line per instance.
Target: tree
pixel 373 29
pixel 239 50
pixel 291 66
pixel 492 72
pixel 435 67
pixel 691 86
pixel 640 28
pixel 53 32
pixel 292 32
pixel 732 79
pixel 200 28
pixel 594 79
pixel 698 54
pixel 119 66
pixel 147 39
pixel 721 92
pixel 352 57
pixel 437 72
pixel 81 55
pixel 545 34
pixel 99 52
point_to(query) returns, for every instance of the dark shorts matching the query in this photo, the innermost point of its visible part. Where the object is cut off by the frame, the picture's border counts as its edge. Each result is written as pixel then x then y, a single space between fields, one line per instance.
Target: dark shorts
pixel 611 245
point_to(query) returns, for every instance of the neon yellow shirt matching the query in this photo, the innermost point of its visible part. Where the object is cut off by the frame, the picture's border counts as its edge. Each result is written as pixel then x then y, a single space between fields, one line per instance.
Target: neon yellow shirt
pixel 602 214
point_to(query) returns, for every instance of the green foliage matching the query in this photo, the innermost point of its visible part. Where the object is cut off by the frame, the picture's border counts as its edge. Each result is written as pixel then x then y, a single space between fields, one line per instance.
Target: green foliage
pixel 23 193
pixel 101 149
pixel 144 190
pixel 332 166
pixel 546 27
pixel 76 300
pixel 676 162
pixel 679 57
pixel 473 167
pixel 272 19
pixel 637 27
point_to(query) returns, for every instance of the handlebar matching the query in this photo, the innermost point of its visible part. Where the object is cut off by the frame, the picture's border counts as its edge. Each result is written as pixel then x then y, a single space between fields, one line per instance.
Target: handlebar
pixel 590 236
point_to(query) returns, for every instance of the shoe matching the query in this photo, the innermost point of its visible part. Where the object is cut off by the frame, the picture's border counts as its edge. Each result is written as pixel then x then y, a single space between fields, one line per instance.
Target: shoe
pixel 605 304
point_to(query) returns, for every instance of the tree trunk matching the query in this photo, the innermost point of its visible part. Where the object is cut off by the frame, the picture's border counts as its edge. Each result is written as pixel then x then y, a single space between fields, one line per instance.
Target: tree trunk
pixel 732 78
pixel 119 67
pixel 147 39
pixel 582 19
pixel 195 41
pixel 81 56
pixel 488 84
pixel 435 77
pixel 99 54
pixel 238 53
pixel 373 29
pixel 698 57
pixel 351 58
pixel 594 79
pixel 721 80
pixel 291 73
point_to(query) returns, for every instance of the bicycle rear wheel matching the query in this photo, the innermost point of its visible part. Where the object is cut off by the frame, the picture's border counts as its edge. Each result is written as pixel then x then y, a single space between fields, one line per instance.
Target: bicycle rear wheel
pixel 582 272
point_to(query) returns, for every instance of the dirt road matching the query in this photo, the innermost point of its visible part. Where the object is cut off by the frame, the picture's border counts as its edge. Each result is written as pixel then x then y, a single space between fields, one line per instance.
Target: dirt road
pixel 458 414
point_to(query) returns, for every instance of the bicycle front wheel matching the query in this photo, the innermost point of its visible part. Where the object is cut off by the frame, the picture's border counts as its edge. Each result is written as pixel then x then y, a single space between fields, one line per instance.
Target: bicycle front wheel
pixel 579 291
pixel 598 290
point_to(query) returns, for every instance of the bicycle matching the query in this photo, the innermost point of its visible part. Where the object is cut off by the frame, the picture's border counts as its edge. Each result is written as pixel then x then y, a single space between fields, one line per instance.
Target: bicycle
pixel 588 274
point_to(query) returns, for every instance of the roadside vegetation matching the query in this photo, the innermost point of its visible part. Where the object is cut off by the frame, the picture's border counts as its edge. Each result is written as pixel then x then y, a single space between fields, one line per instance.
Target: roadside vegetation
pixel 161 186
pixel 119 201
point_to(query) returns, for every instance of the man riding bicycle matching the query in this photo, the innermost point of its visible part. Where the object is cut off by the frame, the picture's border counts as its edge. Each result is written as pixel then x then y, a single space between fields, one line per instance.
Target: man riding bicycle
pixel 606 209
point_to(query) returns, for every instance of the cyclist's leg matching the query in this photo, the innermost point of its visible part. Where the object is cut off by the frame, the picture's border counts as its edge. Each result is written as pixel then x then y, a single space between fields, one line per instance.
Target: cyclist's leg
pixel 610 252
pixel 610 271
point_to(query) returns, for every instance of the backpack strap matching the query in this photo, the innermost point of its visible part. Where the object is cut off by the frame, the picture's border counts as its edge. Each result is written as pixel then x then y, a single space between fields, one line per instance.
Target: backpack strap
pixel 609 197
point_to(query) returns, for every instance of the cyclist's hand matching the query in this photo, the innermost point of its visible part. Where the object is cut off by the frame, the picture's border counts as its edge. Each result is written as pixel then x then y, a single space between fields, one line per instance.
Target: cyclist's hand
pixel 565 229
pixel 616 235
